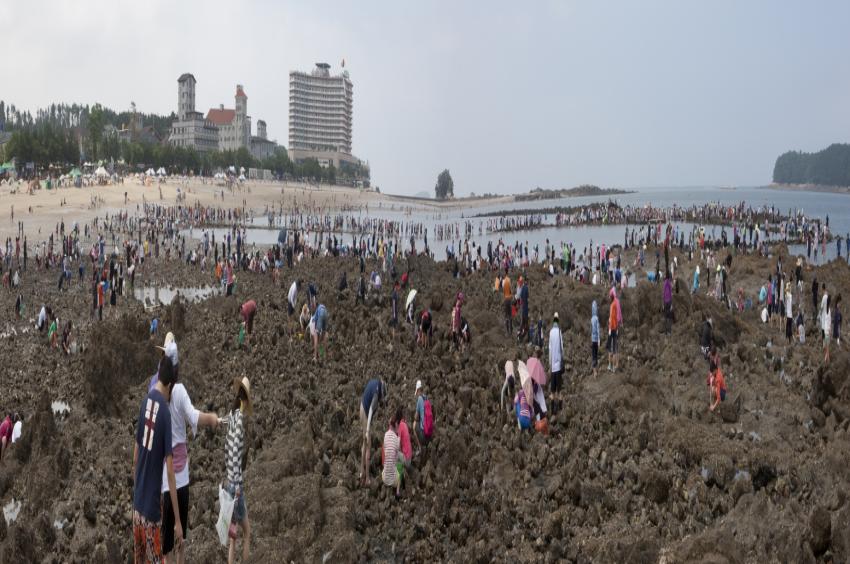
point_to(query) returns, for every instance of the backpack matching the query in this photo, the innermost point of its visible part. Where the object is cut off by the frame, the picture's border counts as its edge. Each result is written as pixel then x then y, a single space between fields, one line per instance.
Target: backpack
pixel 428 422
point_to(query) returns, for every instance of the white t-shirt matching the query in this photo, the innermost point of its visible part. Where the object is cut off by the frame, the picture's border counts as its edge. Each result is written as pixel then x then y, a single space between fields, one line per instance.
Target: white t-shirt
pixel 182 413
pixel 293 294
pixel 16 431
pixel 556 348
pixel 789 310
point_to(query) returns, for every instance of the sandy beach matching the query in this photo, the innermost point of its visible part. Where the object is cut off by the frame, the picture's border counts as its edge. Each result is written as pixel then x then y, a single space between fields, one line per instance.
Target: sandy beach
pixel 44 209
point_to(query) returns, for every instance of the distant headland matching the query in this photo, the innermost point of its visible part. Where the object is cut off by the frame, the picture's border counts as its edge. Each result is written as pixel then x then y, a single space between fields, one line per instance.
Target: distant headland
pixel 827 170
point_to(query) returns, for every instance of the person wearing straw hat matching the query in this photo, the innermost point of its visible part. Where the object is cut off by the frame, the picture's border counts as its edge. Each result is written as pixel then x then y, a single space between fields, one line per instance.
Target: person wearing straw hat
pixel 235 460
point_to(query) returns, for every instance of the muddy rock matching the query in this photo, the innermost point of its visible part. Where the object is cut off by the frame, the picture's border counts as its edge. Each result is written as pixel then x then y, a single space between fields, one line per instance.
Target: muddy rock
pixel 820 529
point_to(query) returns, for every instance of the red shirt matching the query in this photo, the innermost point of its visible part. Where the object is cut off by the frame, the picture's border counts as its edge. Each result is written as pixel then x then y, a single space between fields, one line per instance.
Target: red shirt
pixel 248 309
pixel 6 429
pixel 719 384
pixel 404 437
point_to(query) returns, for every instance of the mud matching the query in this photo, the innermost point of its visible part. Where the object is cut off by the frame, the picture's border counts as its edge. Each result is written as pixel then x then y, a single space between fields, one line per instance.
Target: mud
pixel 636 468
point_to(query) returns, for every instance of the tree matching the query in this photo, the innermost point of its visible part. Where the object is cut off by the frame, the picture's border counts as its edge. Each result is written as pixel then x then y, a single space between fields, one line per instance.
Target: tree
pixel 95 129
pixel 445 187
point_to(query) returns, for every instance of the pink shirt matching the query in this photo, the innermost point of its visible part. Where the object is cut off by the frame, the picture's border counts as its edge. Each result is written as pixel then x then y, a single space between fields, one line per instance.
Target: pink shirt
pixel 404 437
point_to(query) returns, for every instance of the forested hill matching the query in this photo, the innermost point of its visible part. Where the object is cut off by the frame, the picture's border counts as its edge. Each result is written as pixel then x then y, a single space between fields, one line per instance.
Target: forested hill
pixel 829 167
pixel 66 116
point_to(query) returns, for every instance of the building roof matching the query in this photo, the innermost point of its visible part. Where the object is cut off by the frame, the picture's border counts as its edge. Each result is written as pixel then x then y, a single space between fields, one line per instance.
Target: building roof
pixel 240 93
pixel 186 76
pixel 221 116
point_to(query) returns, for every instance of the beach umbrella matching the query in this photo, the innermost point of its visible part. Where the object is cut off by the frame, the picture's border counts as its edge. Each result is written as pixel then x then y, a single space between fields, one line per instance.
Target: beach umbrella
pixel 525 381
pixel 536 370
pixel 410 297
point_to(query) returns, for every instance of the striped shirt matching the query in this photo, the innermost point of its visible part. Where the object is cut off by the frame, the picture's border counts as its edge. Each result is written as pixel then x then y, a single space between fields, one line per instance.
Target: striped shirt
pixel 391 446
pixel 235 447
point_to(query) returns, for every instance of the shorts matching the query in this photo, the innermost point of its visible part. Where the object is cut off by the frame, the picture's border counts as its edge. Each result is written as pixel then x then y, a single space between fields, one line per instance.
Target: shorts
pixel 321 322
pixel 524 422
pixel 612 342
pixel 594 354
pixel 240 508
pixel 147 545
pixel 168 517
pixel 555 382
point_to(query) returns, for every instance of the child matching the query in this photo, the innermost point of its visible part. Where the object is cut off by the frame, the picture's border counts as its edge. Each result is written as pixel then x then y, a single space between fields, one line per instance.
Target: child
pixel 235 460
pixel 594 338
pixel 718 386
pixel 393 472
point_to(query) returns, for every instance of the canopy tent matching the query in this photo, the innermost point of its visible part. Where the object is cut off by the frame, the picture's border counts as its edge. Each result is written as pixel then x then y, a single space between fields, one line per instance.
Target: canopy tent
pixel 101 172
pixel 150 172
pixel 161 171
pixel 75 172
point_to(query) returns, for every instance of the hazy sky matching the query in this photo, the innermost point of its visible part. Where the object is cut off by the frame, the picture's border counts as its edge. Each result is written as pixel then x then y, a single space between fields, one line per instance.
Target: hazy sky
pixel 507 95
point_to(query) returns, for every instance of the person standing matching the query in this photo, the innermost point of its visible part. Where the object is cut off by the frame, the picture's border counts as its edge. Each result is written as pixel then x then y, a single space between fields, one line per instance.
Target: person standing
pixel 235 461
pixel 789 314
pixel 613 326
pixel 182 413
pixel 594 338
pixel 667 298
pixel 556 362
pixel 151 452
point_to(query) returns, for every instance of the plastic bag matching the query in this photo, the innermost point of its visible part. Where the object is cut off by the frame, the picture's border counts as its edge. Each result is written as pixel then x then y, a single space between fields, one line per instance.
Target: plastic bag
pixel 225 514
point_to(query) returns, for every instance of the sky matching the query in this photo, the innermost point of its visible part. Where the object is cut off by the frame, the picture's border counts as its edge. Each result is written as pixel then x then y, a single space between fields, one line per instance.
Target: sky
pixel 509 96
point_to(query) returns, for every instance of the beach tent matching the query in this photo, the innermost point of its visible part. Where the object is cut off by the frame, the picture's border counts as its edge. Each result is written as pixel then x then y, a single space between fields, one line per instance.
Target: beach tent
pixel 161 171
pixel 101 172
pixel 7 166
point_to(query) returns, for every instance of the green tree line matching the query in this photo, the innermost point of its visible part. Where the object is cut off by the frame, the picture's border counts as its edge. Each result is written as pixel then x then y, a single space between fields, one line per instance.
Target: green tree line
pixel 828 167
pixel 64 134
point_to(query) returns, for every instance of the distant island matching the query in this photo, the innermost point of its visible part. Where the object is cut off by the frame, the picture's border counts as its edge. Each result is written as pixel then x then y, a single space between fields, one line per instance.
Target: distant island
pixel 827 170
pixel 578 191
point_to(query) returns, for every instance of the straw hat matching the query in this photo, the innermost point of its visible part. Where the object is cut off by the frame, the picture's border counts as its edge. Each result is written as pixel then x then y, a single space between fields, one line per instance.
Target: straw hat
pixel 245 384
pixel 169 347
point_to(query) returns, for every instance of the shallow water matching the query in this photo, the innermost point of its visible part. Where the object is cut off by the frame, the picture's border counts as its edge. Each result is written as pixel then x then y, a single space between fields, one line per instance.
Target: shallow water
pixel 11 511
pixel 160 295
pixel 60 407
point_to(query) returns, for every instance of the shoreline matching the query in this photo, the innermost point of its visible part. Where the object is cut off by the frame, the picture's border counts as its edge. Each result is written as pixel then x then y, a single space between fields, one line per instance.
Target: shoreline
pixel 820 188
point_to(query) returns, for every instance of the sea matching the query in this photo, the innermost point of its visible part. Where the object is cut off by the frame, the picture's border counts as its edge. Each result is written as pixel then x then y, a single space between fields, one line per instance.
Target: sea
pixel 814 204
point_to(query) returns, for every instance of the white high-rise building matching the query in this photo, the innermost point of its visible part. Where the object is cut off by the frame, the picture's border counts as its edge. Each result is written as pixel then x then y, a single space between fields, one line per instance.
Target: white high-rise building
pixel 320 116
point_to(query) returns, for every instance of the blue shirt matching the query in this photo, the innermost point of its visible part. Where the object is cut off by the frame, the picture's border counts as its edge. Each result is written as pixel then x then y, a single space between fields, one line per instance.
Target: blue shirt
pixel 372 391
pixel 420 411
pixel 153 437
